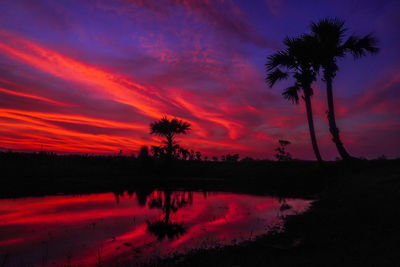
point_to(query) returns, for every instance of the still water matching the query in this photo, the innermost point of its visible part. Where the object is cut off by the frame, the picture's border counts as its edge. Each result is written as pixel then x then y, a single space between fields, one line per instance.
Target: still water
pixel 132 227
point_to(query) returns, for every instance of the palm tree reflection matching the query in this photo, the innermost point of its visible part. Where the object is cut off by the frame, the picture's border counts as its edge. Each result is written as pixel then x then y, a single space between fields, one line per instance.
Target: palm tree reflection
pixel 168 202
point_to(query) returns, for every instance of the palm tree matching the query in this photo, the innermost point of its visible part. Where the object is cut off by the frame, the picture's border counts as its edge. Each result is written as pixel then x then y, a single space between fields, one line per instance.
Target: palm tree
pixel 169 129
pixel 170 203
pixel 297 60
pixel 330 34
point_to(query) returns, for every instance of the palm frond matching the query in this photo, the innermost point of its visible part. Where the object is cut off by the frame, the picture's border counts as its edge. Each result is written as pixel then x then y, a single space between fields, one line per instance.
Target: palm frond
pixel 165 127
pixel 280 59
pixel 359 46
pixel 275 76
pixel 329 28
pixel 290 41
pixel 311 51
pixel 330 33
pixel 291 94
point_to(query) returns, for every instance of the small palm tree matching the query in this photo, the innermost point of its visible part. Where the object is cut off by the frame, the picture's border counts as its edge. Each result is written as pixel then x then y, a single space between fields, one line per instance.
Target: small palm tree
pixel 330 34
pixel 296 60
pixel 170 203
pixel 169 129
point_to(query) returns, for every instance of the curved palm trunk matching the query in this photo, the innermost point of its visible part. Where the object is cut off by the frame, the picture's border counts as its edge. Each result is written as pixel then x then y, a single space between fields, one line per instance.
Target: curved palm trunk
pixel 307 100
pixel 333 129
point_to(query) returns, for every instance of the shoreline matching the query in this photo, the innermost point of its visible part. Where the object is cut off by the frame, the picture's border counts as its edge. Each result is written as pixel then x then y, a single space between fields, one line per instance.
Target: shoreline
pixel 355 222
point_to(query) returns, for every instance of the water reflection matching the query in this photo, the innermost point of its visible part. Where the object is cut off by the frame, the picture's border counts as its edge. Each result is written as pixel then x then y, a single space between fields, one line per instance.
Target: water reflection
pixel 131 226
pixel 168 202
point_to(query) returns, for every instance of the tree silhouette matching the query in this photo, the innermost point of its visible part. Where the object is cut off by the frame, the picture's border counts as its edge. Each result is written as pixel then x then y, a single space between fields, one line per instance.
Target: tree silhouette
pixel 296 60
pixel 330 34
pixel 184 153
pixel 143 153
pixel 170 203
pixel 230 158
pixel 198 155
pixel 282 154
pixel 169 129
pixel 158 151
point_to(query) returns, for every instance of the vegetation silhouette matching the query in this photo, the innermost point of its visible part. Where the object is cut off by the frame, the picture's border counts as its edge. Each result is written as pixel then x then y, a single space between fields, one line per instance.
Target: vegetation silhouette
pixel 169 129
pixel 230 158
pixel 282 154
pixel 50 173
pixel 168 203
pixel 331 46
pixel 347 184
pixel 144 159
pixel 143 153
pixel 297 60
pixel 142 195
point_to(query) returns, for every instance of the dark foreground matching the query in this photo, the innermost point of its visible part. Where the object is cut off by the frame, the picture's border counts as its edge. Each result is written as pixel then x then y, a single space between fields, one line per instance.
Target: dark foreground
pixel 355 222
pixel 25 174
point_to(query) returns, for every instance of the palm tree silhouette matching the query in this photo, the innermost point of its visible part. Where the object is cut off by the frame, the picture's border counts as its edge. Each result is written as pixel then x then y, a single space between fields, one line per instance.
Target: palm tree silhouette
pixel 297 60
pixel 169 129
pixel 170 203
pixel 330 34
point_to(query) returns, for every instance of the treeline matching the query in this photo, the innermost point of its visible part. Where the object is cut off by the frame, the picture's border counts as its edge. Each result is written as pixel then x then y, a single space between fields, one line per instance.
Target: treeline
pixel 41 173
pixel 148 162
pixel 179 153
pixel 24 174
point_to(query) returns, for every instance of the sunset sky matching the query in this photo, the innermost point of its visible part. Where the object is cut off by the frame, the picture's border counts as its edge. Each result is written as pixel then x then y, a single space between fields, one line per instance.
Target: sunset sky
pixel 89 76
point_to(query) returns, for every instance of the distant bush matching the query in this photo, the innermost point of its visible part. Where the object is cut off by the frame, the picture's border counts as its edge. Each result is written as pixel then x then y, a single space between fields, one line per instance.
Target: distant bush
pixel 282 154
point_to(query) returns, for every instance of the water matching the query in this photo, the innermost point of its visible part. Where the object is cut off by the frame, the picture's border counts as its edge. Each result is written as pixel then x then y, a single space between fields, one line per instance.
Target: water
pixel 136 227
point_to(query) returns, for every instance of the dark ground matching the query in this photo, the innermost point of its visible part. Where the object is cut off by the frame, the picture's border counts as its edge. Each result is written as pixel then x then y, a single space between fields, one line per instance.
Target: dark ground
pixel 354 222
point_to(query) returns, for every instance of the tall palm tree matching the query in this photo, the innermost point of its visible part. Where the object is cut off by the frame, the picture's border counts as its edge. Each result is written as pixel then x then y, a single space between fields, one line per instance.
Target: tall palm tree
pixel 296 60
pixel 169 129
pixel 330 34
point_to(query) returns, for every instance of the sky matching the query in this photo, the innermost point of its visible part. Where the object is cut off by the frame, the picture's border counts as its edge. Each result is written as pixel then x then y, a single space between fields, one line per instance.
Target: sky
pixel 90 76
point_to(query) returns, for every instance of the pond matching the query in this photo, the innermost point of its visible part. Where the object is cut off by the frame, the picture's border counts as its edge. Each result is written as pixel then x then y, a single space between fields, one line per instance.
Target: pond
pixel 134 227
